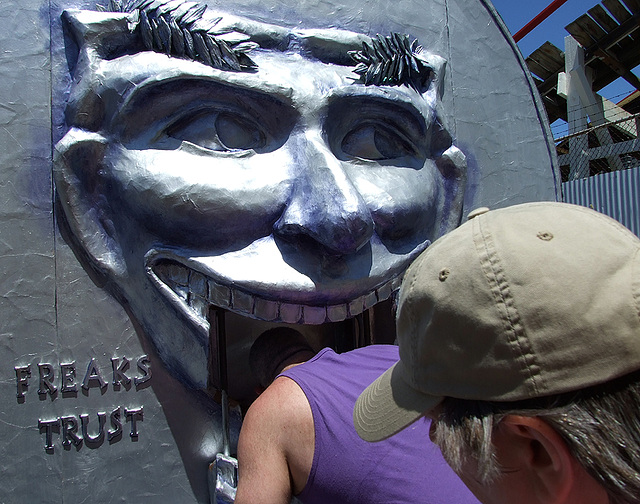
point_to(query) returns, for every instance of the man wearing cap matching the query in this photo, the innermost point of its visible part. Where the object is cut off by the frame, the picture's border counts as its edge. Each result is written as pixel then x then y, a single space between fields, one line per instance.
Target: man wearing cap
pixel 519 335
pixel 298 437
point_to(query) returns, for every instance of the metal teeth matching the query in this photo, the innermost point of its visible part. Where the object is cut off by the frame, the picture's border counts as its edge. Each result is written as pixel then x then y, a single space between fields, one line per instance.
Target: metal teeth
pixel 198 292
pixel 265 310
pixel 337 312
pixel 315 315
pixel 290 313
pixel 356 307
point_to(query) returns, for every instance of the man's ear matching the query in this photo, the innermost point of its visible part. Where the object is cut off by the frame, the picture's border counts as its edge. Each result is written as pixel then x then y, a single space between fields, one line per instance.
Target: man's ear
pixel 532 447
pixel 76 163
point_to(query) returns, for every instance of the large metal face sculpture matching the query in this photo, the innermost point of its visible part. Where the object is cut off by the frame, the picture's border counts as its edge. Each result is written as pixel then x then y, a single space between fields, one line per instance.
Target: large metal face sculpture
pixel 265 171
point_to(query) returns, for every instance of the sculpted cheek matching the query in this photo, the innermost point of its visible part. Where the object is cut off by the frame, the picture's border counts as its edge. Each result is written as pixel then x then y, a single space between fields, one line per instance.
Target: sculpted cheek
pixel 196 200
pixel 404 220
pixel 403 203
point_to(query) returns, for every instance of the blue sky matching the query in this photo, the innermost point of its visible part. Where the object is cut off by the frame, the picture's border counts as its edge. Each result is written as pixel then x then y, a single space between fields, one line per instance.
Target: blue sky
pixel 517 13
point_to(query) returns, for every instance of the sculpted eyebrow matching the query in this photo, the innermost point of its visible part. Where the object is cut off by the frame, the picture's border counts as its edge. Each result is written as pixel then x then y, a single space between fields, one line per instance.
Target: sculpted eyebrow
pixel 181 30
pixel 392 61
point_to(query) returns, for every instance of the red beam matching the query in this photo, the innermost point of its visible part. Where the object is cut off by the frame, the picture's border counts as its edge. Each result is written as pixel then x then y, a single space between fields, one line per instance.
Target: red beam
pixel 549 9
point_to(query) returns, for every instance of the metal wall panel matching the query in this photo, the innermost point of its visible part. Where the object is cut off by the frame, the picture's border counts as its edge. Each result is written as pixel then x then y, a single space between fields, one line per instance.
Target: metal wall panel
pixel 615 194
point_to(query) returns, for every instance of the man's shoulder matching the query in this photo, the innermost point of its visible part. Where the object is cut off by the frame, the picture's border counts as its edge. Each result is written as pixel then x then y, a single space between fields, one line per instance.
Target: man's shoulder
pixel 280 419
pixel 281 402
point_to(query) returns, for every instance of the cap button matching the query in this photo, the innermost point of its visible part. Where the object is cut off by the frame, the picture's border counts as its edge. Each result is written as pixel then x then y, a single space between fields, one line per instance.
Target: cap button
pixel 477 211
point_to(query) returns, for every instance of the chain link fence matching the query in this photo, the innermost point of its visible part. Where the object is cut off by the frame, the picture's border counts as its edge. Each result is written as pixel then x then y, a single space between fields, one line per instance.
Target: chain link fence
pixel 600 149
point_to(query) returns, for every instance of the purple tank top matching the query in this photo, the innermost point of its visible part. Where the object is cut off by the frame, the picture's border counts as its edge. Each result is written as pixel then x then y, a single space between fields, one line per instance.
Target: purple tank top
pixel 406 468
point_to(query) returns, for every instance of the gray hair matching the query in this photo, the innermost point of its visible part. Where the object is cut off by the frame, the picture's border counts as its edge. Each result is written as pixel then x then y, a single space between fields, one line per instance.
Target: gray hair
pixel 600 425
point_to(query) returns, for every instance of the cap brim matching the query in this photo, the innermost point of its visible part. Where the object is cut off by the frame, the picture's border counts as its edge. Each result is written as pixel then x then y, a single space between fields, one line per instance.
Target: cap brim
pixel 389 405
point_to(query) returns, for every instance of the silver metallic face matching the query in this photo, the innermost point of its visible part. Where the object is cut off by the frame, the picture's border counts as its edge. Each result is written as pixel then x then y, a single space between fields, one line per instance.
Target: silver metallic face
pixel 290 194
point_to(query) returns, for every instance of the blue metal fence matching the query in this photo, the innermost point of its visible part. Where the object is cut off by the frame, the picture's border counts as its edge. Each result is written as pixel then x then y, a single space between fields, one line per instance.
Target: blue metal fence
pixel 616 194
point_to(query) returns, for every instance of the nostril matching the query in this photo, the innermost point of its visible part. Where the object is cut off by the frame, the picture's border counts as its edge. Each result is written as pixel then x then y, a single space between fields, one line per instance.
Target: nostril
pixel 288 230
pixel 350 235
pixel 342 237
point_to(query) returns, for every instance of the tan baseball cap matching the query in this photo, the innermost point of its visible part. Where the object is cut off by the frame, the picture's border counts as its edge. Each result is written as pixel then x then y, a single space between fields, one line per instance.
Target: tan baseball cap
pixel 527 301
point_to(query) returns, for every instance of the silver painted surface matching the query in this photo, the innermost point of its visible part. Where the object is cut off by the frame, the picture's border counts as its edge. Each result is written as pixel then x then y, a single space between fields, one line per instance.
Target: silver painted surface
pixel 54 312
pixel 27 259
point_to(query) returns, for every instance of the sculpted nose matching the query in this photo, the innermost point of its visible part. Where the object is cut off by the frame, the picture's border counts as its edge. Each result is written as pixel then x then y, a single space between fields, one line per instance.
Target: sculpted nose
pixel 325 206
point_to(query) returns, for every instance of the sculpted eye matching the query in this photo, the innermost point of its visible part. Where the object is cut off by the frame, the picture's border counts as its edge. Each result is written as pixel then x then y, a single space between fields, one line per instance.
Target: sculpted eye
pixel 219 131
pixel 236 133
pixel 375 142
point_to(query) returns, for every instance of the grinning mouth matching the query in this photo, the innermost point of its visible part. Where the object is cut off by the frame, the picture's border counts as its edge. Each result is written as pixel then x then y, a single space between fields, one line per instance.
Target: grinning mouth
pixel 196 291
